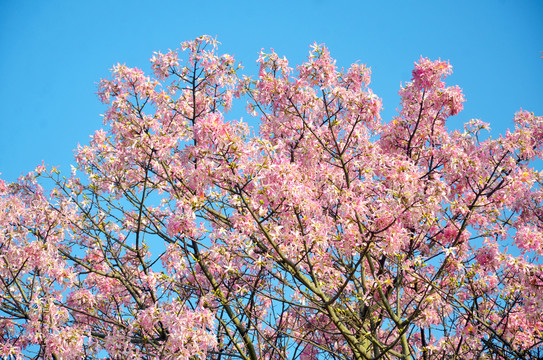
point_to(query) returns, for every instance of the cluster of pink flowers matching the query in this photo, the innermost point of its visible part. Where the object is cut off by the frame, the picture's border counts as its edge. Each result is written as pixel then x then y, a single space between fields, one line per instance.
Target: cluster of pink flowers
pixel 328 233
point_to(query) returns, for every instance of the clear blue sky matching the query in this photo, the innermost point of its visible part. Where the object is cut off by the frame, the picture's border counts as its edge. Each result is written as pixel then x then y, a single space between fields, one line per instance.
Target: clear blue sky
pixel 52 54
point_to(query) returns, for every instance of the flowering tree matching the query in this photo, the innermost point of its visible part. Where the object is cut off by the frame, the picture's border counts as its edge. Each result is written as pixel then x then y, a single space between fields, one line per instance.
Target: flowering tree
pixel 328 235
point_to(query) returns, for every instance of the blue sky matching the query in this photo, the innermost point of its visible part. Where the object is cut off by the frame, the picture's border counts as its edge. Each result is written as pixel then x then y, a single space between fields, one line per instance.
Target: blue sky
pixel 52 54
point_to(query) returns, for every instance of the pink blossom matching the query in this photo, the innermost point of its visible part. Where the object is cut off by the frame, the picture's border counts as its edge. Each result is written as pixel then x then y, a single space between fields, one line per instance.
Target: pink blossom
pixel 325 232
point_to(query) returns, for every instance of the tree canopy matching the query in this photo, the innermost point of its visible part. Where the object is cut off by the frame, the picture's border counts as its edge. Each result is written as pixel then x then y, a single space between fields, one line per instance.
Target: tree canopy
pixel 326 233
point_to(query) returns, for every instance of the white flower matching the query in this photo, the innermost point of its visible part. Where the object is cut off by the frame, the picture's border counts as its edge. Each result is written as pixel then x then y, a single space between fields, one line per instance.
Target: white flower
pixel 450 251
